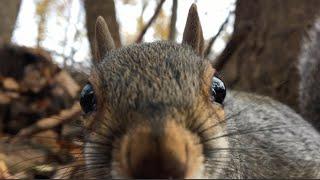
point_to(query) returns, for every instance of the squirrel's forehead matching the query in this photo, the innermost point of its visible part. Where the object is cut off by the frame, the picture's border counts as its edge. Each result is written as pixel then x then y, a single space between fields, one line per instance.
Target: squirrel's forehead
pixel 164 80
pixel 133 78
pixel 158 59
pixel 152 67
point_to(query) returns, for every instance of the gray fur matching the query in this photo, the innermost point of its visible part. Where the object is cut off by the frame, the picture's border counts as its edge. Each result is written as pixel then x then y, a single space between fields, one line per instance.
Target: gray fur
pixel 309 68
pixel 143 82
pixel 276 142
pixel 159 73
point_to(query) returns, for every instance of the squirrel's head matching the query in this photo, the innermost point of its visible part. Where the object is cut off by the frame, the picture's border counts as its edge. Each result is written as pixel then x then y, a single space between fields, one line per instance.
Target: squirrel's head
pixel 154 109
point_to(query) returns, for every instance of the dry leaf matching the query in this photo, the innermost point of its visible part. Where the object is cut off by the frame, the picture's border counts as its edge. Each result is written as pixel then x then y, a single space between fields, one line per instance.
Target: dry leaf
pixel 10 84
pixel 4 171
pixel 4 99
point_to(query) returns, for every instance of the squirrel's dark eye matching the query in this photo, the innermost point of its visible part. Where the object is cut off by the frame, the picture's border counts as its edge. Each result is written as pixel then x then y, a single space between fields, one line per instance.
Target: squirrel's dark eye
pixel 88 100
pixel 218 90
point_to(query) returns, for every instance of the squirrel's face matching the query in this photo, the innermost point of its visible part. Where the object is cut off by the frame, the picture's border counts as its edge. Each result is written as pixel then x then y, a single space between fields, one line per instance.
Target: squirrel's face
pixel 153 109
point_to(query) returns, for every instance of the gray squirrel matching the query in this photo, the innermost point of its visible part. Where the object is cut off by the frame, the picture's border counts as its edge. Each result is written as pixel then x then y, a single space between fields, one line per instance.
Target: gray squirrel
pixel 157 110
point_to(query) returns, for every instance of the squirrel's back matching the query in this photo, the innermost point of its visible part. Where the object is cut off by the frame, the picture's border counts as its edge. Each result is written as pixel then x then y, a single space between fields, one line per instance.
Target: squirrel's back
pixel 269 139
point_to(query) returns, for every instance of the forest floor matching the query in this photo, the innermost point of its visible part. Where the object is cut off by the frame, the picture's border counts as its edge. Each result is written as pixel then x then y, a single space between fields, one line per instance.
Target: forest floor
pixel 41 134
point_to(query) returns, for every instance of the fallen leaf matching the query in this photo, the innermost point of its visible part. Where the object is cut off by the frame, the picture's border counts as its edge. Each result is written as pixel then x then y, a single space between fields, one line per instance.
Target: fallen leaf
pixel 10 84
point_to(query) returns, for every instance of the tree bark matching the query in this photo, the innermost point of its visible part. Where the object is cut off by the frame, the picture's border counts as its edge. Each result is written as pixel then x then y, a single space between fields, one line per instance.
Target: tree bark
pixel 263 51
pixel 106 9
pixel 8 15
pixel 172 33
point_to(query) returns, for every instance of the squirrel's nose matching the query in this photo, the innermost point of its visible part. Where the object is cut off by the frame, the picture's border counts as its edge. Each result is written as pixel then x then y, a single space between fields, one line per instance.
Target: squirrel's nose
pixel 149 155
pixel 156 162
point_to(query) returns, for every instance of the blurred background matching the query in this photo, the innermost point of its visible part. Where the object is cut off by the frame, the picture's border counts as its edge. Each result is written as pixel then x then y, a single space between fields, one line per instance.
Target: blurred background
pixel 59 26
pixel 46 52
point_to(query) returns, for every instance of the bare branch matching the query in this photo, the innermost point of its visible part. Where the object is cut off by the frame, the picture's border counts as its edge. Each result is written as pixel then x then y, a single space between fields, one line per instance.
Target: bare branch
pixel 65 40
pixel 214 38
pixel 154 16
pixel 64 116
pixel 172 33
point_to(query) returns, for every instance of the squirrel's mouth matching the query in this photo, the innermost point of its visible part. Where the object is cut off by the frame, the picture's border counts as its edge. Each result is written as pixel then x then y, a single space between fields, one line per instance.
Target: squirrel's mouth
pixel 172 152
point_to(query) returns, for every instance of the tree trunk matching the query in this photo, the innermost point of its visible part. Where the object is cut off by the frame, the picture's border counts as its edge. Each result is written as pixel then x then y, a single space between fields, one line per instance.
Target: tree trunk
pixel 172 32
pixel 8 14
pixel 262 53
pixel 106 9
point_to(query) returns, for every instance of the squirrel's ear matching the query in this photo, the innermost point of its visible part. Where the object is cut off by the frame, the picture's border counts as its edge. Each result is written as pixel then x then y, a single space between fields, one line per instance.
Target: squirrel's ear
pixel 103 39
pixel 192 34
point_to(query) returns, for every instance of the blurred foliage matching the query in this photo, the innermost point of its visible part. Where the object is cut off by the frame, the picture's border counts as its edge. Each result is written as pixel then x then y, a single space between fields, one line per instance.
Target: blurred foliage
pixel 68 40
pixel 161 26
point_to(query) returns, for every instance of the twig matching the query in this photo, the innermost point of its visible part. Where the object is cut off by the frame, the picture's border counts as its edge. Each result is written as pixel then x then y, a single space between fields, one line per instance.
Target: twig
pixel 76 37
pixel 65 40
pixel 155 15
pixel 172 33
pixel 214 38
pixel 64 116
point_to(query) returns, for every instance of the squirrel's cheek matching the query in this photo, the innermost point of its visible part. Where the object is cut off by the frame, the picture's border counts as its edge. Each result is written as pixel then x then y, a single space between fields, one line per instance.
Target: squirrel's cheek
pixel 219 112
